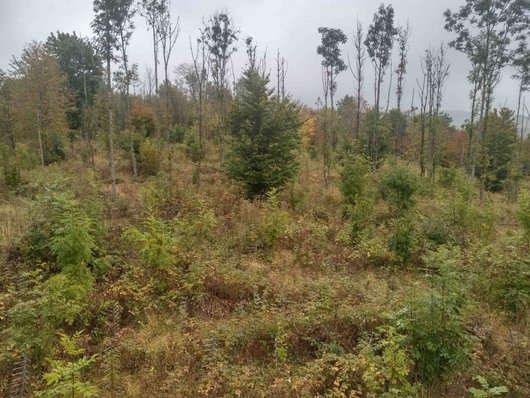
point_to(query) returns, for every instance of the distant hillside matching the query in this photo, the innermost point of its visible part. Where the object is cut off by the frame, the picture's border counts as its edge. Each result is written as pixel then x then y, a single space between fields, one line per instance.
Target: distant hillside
pixel 460 117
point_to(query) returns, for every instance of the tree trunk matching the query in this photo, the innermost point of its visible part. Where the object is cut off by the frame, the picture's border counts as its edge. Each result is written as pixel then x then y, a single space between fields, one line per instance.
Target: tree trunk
pixel 472 127
pixel 39 134
pixel 88 136
pixel 127 107
pixel 358 113
pixel 110 137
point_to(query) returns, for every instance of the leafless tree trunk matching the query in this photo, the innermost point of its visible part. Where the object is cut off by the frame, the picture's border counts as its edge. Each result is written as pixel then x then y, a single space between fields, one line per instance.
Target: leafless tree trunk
pixel 110 136
pixel 201 71
pixel 86 129
pixel 124 57
pixel 389 89
pixel 169 34
pixel 325 84
pixel 358 71
pixel 39 134
pixel 401 70
pixel 422 90
pixel 149 83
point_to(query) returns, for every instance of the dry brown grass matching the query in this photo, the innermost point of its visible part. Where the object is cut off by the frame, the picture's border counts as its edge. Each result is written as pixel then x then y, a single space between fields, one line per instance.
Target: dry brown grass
pixel 13 222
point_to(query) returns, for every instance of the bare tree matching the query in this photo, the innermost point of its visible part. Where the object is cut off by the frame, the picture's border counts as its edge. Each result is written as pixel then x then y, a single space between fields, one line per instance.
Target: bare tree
pixel 423 93
pixel 153 11
pixel 149 83
pixel 358 70
pixel 124 26
pixel 220 36
pixel 389 89
pixel 435 73
pixel 169 33
pixel 379 42
pixel 325 85
pixel 403 37
pixel 199 54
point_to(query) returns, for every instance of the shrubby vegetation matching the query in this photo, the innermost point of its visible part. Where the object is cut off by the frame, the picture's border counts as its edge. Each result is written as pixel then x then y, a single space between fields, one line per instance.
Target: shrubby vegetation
pixel 194 238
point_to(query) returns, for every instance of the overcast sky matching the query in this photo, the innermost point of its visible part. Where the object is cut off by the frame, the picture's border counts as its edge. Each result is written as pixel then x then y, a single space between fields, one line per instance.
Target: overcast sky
pixel 288 25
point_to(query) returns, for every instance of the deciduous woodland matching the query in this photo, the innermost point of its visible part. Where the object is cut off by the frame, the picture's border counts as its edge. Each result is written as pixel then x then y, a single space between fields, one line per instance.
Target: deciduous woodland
pixel 202 233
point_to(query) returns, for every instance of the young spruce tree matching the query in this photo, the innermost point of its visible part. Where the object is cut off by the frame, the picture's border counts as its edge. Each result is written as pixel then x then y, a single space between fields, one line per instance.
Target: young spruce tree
pixel 264 130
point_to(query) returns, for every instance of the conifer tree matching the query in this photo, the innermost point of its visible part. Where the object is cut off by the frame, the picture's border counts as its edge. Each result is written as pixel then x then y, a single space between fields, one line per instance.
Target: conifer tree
pixel 265 135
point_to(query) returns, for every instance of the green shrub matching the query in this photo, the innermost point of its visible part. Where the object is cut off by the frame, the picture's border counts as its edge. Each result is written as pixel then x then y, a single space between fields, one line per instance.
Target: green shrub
pixel 65 379
pixel 275 223
pixel 61 230
pixel 156 241
pixel 433 324
pixel 523 215
pixel 12 163
pixel 469 221
pixel 149 158
pixel 512 285
pixel 355 176
pixel 379 368
pixel 485 390
pixel 455 179
pixel 166 272
pixel 437 231
pixel 56 152
pixel 398 187
pixel 67 237
pixel 360 217
pixel 177 134
pixel 193 148
pixel 12 176
pixel 402 241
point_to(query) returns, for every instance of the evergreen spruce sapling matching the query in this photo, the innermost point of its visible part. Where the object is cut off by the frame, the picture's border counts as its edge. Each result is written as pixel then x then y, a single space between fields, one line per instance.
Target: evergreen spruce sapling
pixel 263 153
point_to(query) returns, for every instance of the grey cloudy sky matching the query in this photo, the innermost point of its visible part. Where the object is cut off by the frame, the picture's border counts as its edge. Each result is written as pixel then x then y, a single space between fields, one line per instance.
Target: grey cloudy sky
pixel 290 25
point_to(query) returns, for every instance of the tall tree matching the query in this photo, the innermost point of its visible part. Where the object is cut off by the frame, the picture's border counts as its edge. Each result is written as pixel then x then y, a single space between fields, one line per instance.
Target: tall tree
pixel 331 54
pixel 521 64
pixel 221 37
pixel 435 73
pixel 104 27
pixel 83 68
pixel 484 30
pixel 379 42
pixel 358 70
pixel 500 143
pixel 41 100
pixel 124 25
pixel 153 12
pixel 403 37
pixel 169 32
pixel 6 104
pixel 423 91
pixel 197 82
pixel 440 73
